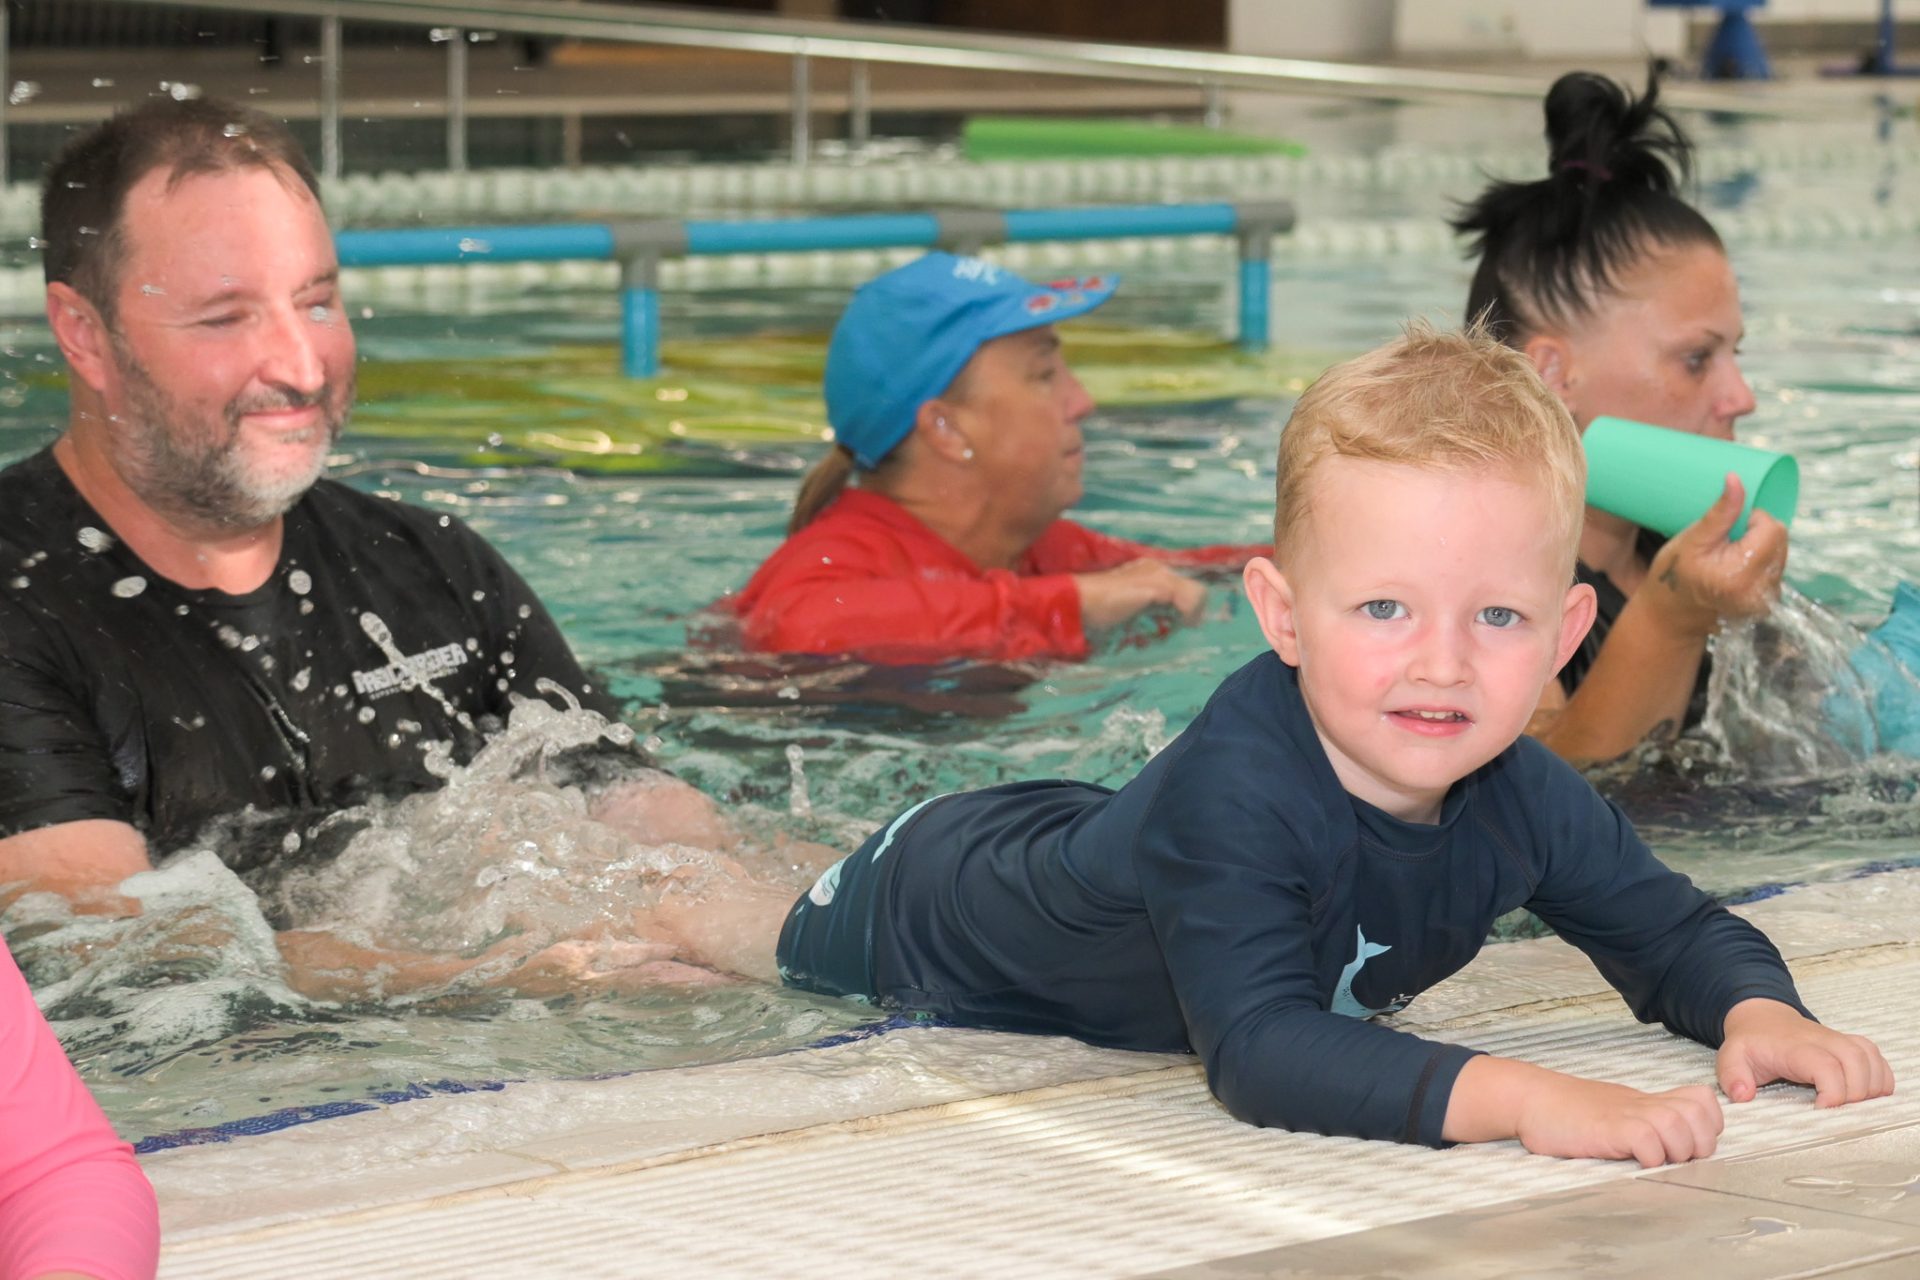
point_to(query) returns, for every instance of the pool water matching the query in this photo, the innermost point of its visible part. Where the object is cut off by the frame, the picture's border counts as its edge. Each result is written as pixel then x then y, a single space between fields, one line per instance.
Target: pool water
pixel 508 414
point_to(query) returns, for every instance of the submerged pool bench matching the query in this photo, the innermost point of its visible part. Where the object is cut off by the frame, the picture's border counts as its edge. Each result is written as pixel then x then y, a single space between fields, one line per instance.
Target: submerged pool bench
pixel 640 246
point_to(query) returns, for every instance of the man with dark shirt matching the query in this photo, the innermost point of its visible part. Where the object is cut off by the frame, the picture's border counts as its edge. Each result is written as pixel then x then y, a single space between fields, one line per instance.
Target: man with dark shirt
pixel 193 624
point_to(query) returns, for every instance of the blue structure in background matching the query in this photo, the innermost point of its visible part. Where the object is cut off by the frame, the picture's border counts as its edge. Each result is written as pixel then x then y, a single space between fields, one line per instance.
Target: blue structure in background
pixel 641 246
pixel 1735 52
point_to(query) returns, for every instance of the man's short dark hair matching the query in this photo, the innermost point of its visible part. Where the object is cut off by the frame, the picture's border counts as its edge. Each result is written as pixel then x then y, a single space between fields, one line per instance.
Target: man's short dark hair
pixel 82 239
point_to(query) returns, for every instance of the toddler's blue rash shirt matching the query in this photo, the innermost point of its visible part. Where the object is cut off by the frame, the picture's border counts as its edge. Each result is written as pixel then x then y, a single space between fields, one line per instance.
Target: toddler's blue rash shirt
pixel 1235 899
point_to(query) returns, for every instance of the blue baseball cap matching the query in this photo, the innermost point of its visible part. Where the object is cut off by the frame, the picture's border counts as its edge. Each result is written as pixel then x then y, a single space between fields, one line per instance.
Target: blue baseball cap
pixel 906 335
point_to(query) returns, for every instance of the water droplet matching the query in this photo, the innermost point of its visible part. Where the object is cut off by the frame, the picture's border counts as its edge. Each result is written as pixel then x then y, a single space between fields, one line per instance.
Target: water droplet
pixel 102 82
pixel 129 587
pixel 320 315
pixel 19 584
pixel 478 596
pixel 366 715
pixel 301 679
pixel 445 521
pixel 472 244
pixel 790 692
pixel 306 606
pixel 152 290
pixel 339 691
pixel 180 611
pixel 92 539
pixel 35 242
pixel 526 611
pixel 268 773
pixel 249 644
pixel 299 583
pixel 229 637
pixel 366 313
pixel 23 91
pixel 506 657
pixel 495 439
pixel 179 90
pixel 233 130
pixel 290 843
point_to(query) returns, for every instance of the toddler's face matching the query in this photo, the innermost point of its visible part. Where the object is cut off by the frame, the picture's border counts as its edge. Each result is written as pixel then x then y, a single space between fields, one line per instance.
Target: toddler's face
pixel 1425 610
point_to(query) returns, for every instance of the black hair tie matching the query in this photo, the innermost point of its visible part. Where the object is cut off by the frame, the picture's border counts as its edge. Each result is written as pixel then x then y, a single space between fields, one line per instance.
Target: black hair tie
pixel 1598 172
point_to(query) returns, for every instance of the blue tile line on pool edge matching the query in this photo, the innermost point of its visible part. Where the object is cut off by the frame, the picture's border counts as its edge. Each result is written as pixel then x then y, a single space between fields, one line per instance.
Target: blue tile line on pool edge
pixel 289 1117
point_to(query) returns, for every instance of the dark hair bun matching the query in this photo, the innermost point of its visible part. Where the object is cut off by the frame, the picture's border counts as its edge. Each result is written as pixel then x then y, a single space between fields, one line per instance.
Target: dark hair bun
pixel 1552 249
pixel 1598 132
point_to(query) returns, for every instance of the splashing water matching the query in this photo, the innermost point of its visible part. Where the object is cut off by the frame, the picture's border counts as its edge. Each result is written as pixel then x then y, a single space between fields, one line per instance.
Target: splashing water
pixel 183 1015
pixel 1790 699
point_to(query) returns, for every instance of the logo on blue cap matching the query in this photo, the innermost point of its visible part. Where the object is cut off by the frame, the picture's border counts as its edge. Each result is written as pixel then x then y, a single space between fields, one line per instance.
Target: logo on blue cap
pixel 906 335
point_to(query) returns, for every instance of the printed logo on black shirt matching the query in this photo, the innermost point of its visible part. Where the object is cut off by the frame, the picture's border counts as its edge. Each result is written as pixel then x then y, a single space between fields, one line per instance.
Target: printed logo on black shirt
pixel 409 672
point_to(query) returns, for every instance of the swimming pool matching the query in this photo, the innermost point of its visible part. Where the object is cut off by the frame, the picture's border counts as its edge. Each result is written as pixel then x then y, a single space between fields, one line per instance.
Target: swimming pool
pixel 180 1022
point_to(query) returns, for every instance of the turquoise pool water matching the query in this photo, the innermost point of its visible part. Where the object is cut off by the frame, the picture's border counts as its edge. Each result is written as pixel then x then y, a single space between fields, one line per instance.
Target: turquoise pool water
pixel 188 1026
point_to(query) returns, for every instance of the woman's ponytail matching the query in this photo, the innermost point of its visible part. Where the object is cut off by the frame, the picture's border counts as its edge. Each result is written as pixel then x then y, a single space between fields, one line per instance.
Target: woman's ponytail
pixel 820 487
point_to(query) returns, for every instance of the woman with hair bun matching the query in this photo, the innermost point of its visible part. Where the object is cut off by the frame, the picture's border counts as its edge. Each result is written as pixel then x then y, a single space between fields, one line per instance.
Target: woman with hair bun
pixel 1621 295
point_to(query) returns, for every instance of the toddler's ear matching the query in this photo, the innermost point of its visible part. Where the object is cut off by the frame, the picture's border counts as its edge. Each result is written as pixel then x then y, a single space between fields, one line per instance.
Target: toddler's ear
pixel 1272 598
pixel 1575 620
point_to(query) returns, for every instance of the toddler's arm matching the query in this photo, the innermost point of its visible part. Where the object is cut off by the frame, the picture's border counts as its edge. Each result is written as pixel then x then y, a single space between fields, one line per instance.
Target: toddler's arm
pixel 1560 1115
pixel 1767 1041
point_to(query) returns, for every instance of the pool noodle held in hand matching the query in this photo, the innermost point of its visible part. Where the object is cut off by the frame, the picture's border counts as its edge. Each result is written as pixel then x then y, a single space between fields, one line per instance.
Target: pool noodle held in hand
pixel 1665 480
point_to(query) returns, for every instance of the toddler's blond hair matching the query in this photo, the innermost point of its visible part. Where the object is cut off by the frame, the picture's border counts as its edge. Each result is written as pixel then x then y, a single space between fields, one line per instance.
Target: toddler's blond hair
pixel 1456 401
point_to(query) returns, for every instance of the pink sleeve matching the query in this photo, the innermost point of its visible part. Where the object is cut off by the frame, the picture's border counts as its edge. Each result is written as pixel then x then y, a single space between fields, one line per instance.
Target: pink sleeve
pixel 72 1197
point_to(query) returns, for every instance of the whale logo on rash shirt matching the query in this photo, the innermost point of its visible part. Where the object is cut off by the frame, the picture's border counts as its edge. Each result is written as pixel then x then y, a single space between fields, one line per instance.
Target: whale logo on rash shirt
pixel 1363 951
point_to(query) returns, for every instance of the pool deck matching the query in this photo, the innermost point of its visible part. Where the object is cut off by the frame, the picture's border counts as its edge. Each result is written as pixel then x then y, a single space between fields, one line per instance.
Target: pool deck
pixel 939 1152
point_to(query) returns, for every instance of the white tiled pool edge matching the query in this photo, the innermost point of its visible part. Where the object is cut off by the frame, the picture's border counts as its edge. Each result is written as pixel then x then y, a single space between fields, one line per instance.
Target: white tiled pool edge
pixel 741 1151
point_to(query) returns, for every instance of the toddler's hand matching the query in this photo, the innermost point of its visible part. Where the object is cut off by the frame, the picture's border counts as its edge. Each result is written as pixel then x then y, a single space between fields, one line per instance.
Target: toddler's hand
pixel 1766 1041
pixel 1568 1116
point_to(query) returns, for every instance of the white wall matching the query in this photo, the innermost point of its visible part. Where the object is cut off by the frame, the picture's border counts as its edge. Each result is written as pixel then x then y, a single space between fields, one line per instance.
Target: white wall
pixel 1342 30
pixel 1361 30
pixel 1529 29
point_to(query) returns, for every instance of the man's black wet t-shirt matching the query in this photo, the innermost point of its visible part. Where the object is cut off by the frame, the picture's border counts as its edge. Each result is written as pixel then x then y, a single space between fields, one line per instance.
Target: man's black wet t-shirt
pixel 383 628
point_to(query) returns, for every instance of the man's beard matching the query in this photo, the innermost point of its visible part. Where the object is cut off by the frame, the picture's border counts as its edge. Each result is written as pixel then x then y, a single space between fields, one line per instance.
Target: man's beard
pixel 200 479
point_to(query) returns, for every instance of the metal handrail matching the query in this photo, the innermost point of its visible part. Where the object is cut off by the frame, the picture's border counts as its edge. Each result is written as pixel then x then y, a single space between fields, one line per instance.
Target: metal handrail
pixel 860 43
pixel 920 46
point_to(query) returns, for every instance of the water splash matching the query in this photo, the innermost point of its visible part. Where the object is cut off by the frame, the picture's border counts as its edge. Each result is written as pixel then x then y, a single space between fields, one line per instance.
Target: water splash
pixel 1788 702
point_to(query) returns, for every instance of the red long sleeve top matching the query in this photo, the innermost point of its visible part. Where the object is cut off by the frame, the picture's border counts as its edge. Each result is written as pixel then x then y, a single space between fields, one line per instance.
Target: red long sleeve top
pixel 868 578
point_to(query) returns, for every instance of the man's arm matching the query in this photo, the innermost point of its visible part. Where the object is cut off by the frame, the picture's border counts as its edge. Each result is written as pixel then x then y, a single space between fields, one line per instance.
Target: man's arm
pixel 81 861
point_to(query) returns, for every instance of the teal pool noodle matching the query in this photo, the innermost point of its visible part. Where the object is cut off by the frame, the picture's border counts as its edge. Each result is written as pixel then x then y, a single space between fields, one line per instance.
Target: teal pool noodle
pixel 1888 665
pixel 1665 480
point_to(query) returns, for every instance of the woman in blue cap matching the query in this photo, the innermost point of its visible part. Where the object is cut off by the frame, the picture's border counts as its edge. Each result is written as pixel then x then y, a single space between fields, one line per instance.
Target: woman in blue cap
pixel 948 396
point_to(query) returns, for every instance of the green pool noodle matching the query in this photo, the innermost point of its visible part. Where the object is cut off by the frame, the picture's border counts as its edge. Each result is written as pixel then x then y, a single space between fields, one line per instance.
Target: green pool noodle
pixel 1049 137
pixel 1664 480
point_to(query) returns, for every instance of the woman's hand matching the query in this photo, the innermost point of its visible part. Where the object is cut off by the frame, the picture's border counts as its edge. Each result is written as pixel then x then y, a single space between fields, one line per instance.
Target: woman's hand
pixel 1700 578
pixel 1114 596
